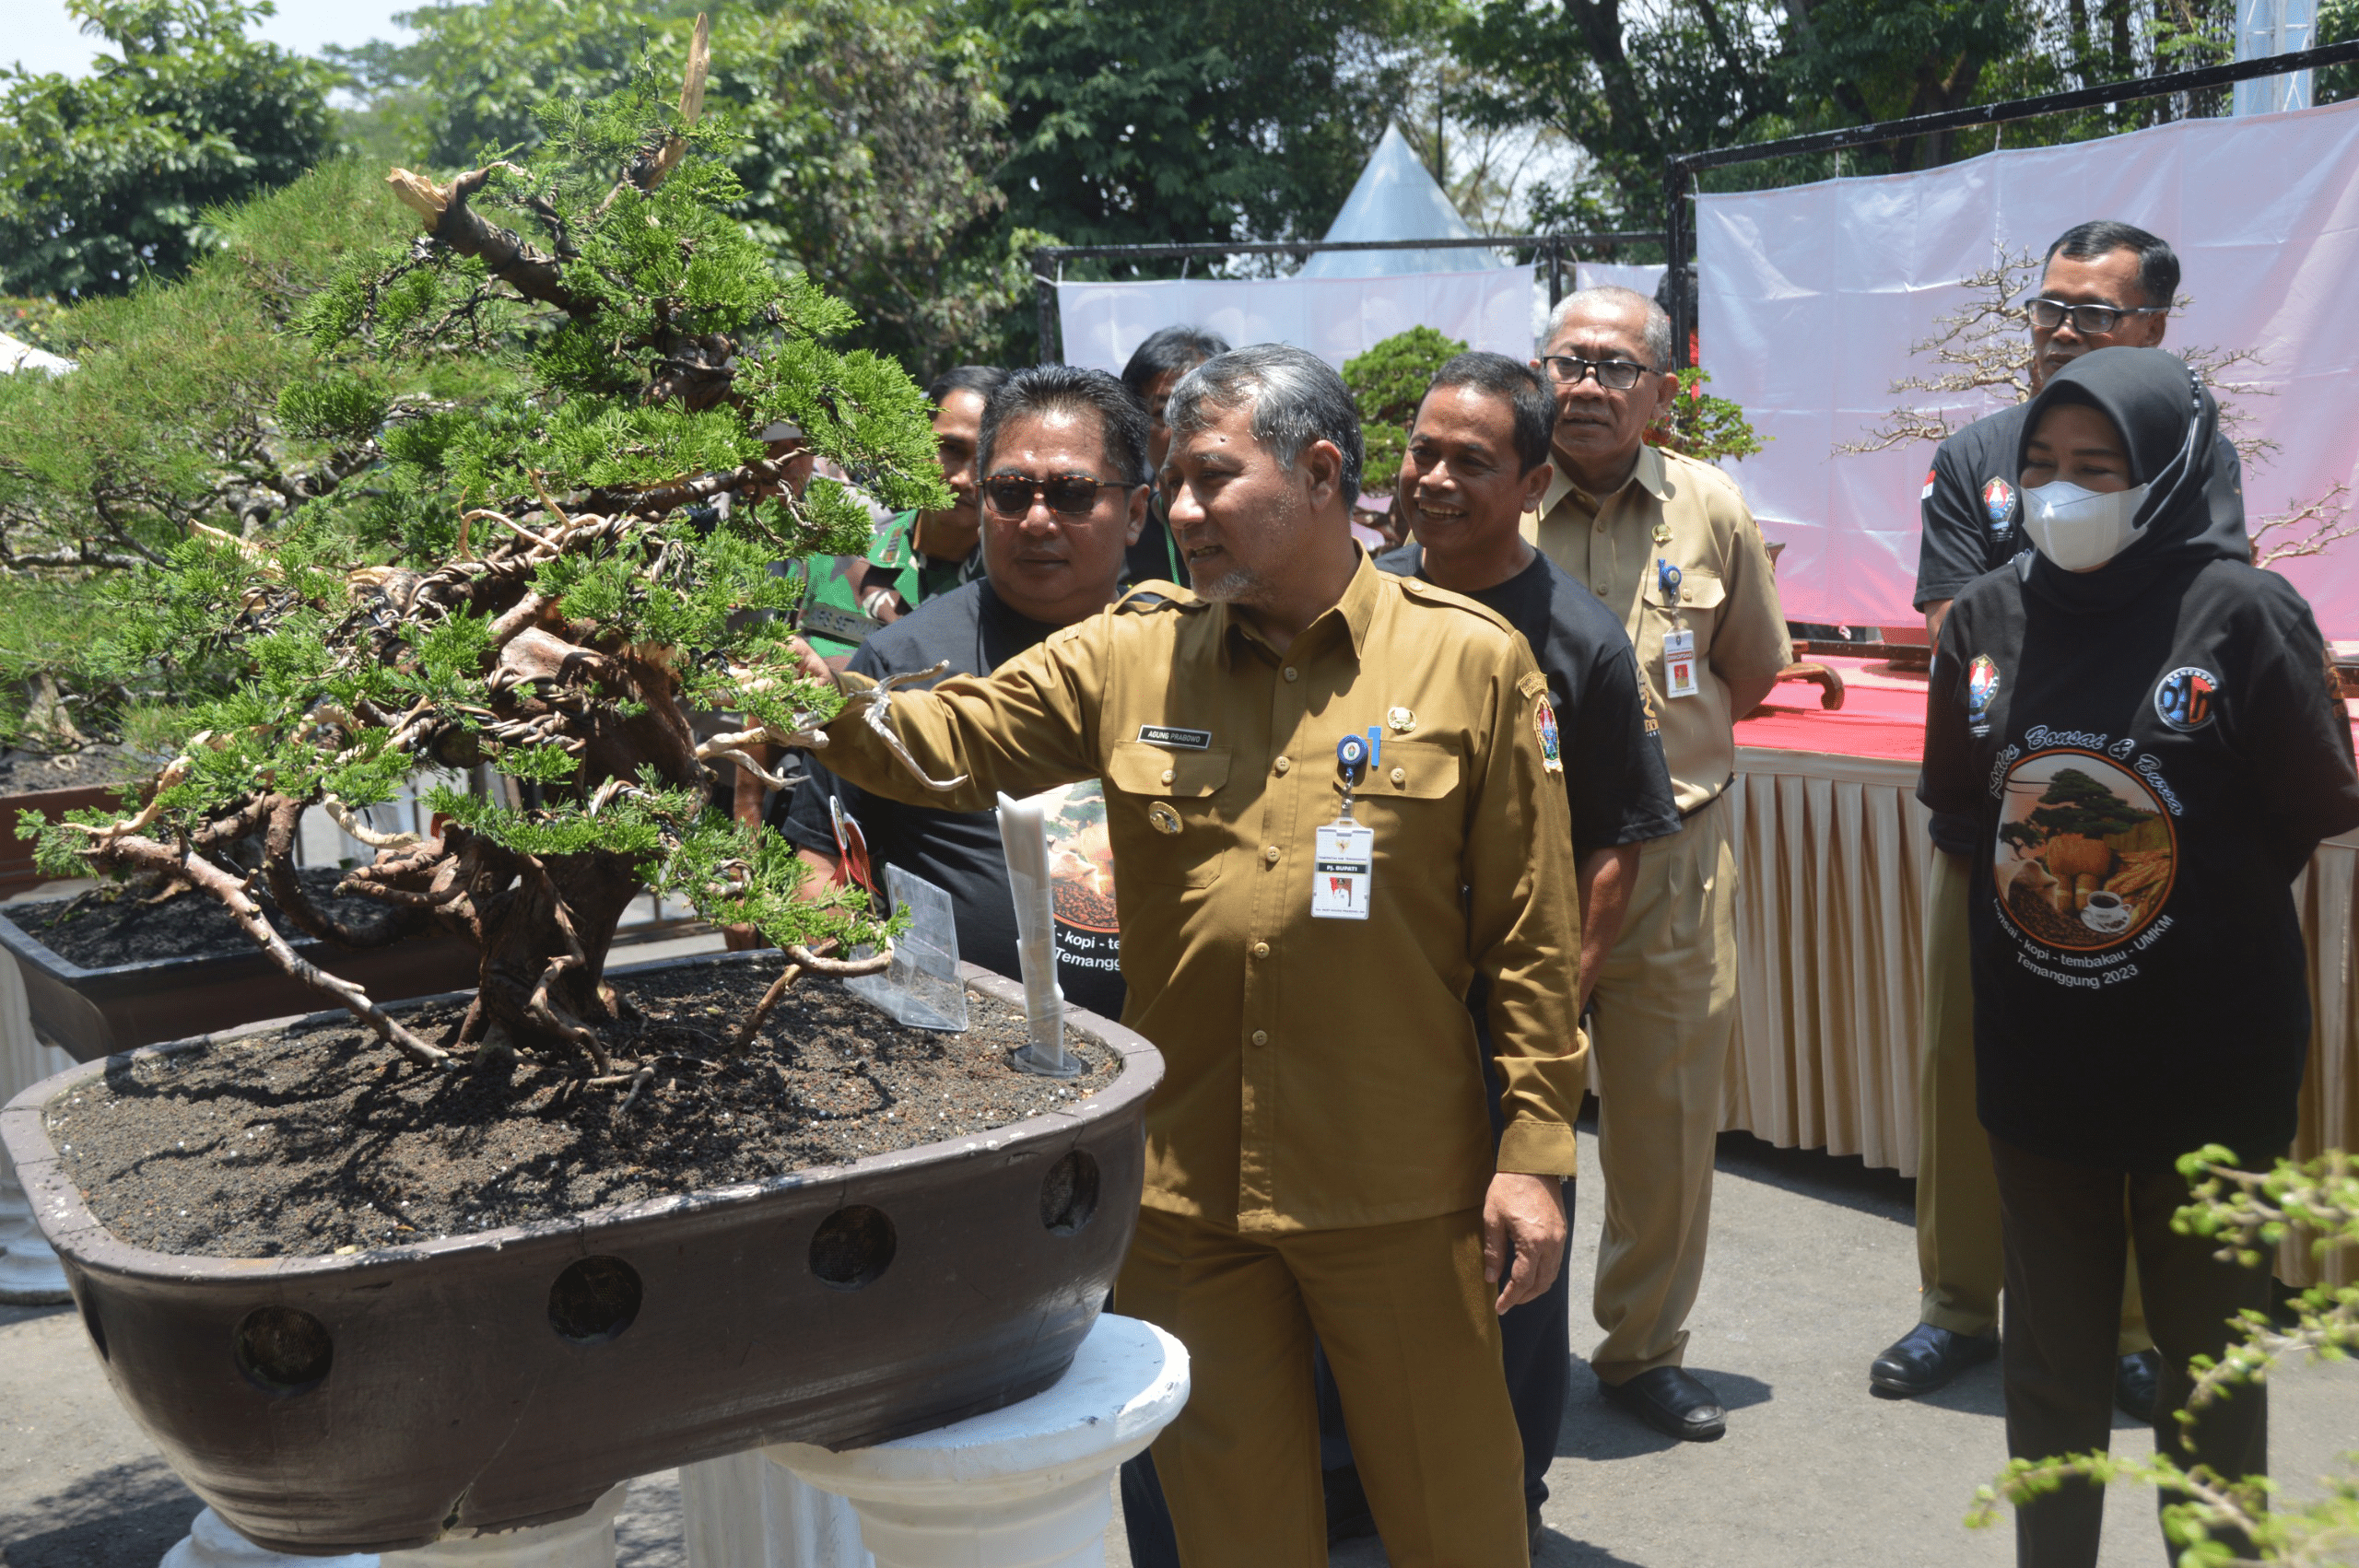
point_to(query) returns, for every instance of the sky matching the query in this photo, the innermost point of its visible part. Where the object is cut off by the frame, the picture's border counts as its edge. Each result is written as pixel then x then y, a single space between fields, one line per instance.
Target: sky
pixel 43 38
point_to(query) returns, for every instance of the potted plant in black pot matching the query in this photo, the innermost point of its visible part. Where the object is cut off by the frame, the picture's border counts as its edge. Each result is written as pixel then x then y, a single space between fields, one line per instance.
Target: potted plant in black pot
pixel 466 1263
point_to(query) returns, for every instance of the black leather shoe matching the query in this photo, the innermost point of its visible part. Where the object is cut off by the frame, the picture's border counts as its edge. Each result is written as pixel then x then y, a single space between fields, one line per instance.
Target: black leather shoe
pixel 1925 1358
pixel 1672 1401
pixel 2137 1383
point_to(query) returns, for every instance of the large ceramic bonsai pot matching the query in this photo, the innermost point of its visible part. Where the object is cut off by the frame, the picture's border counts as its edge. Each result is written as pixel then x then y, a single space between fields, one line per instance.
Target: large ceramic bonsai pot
pixel 375 1401
pixel 90 1014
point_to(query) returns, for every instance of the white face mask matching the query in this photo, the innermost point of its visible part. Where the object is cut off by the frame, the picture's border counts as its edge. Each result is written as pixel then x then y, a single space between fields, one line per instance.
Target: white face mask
pixel 2081 530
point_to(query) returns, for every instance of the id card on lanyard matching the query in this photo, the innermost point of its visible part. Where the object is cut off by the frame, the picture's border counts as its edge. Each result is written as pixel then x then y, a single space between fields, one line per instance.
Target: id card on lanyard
pixel 1342 872
pixel 1679 643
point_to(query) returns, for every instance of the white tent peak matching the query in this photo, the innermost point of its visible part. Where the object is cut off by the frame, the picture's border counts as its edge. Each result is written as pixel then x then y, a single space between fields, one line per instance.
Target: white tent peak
pixel 1397 198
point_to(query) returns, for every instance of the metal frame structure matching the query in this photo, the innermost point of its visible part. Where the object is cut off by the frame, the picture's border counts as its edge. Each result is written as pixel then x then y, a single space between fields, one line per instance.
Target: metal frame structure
pixel 1679 167
pixel 1557 249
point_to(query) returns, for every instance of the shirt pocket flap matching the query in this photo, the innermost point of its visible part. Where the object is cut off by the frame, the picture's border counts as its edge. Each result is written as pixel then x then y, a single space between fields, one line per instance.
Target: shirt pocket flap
pixel 1700 588
pixel 1142 769
pixel 1415 770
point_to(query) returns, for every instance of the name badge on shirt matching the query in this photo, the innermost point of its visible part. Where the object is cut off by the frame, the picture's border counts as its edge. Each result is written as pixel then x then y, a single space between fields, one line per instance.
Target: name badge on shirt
pixel 1679 663
pixel 1343 872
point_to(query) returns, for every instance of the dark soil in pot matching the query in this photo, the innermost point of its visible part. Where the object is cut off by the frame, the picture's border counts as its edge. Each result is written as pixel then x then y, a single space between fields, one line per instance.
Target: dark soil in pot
pixel 100 929
pixel 27 773
pixel 318 1140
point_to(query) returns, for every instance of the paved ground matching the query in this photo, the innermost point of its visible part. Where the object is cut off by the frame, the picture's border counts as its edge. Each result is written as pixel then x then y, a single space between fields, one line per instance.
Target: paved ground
pixel 1812 1272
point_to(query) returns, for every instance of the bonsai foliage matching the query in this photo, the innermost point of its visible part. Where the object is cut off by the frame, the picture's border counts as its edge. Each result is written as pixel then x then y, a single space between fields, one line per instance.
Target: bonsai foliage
pixel 2249 1214
pixel 1701 425
pixel 556 555
pixel 1388 382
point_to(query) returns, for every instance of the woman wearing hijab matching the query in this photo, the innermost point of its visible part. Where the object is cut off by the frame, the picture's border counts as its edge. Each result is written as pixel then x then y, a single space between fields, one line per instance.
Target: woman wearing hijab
pixel 2145 727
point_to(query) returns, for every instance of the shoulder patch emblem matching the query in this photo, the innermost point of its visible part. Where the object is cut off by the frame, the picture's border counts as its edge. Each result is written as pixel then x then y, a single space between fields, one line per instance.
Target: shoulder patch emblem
pixel 1647 707
pixel 1927 493
pixel 1999 504
pixel 1981 685
pixel 1532 684
pixel 2187 698
pixel 1543 725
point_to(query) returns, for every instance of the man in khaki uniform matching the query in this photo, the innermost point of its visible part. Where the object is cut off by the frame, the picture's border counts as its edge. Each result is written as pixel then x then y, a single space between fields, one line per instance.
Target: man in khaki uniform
pixel 1319 1156
pixel 1668 544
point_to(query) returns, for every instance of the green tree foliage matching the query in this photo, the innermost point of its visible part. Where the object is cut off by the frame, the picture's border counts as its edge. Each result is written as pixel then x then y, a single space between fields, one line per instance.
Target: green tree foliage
pixel 1388 382
pixel 1703 427
pixel 2250 1214
pixel 107 179
pixel 1173 120
pixel 544 398
pixel 870 134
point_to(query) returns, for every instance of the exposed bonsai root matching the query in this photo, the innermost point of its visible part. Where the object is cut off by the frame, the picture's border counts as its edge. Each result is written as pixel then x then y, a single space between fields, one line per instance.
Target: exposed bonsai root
pixel 149 855
pixel 762 1008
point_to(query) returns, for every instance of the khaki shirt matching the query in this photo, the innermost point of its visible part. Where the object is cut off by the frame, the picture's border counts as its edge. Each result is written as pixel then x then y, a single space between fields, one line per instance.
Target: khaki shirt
pixel 1690 514
pixel 1322 1074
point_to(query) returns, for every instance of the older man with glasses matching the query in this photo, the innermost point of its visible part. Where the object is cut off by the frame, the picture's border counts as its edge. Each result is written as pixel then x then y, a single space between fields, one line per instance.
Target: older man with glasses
pixel 2105 285
pixel 1667 545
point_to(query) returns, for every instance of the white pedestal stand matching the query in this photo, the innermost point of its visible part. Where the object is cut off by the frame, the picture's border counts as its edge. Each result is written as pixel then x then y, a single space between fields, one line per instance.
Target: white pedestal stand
pixel 1027 1487
pixel 30 1274
pixel 584 1542
pixel 747 1511
pixel 210 1543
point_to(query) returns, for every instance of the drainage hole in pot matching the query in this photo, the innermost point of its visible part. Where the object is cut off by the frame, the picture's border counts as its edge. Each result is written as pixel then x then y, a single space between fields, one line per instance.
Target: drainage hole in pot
pixel 1069 1193
pixel 283 1350
pixel 594 1300
pixel 853 1247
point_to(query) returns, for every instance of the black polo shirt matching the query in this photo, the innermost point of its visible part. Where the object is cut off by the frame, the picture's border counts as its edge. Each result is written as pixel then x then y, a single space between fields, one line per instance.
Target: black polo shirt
pixel 1615 780
pixel 973 629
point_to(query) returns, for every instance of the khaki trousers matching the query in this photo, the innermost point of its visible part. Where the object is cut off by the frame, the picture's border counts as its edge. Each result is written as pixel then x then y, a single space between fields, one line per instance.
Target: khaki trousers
pixel 1958 1254
pixel 1413 1343
pixel 1659 1049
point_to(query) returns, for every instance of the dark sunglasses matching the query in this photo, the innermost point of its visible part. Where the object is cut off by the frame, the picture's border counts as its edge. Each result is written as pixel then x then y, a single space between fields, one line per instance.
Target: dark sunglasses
pixel 1613 375
pixel 1068 495
pixel 2095 320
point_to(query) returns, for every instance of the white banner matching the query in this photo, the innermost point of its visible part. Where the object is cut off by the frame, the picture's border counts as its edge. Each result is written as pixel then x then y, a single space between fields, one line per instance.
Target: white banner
pixel 1813 295
pixel 1336 318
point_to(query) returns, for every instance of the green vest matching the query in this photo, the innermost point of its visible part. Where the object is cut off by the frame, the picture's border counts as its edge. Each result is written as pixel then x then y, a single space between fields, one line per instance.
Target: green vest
pixel 830 617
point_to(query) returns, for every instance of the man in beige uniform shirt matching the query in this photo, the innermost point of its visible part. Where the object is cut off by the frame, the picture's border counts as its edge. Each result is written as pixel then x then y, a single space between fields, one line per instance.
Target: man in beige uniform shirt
pixel 1319 1157
pixel 1668 544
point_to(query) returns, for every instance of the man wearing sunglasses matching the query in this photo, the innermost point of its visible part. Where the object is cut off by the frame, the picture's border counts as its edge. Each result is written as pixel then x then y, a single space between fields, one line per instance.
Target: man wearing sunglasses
pixel 1064 455
pixel 1666 543
pixel 915 556
pixel 1334 797
pixel 2105 285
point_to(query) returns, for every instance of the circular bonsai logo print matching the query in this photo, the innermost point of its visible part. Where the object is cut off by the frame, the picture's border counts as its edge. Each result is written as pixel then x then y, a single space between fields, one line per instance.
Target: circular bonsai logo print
pixel 2187 698
pixel 2085 853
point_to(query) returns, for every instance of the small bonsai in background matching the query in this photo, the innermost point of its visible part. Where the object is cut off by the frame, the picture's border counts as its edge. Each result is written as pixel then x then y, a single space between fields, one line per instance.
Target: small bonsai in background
pixel 1387 382
pixel 2250 1214
pixel 549 541
pixel 1701 425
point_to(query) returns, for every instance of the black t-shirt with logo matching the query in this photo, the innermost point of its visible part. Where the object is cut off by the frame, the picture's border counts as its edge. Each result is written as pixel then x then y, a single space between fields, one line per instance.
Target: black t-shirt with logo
pixel 960 852
pixel 1615 778
pixel 1973 513
pixel 2142 784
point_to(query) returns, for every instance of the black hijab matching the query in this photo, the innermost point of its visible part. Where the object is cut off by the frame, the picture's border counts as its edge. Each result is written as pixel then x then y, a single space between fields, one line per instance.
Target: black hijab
pixel 2171 427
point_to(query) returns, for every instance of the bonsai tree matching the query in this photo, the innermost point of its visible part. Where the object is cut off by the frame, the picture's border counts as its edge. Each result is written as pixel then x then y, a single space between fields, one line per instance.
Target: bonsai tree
pixel 1387 382
pixel 553 543
pixel 2250 1213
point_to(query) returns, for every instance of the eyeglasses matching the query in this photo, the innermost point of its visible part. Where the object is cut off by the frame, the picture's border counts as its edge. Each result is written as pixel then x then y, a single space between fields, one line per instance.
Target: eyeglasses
pixel 1613 375
pixel 2096 321
pixel 1068 495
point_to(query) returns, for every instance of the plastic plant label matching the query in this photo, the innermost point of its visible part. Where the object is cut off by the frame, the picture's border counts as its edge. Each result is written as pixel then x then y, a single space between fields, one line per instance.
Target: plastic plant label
pixel 921 990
